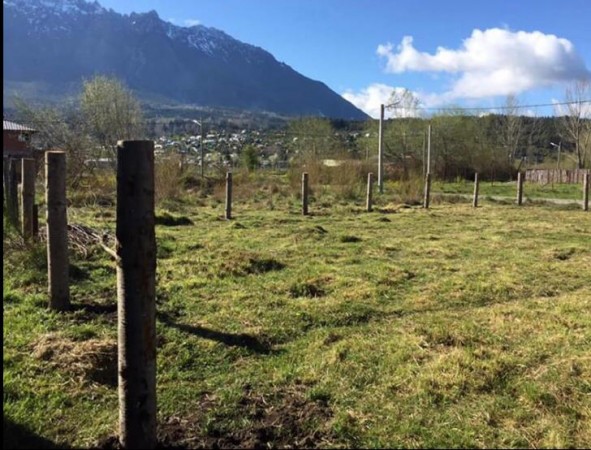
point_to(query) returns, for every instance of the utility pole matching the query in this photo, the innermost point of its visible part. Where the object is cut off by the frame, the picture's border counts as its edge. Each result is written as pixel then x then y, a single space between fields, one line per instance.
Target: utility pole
pixel 200 123
pixel 559 147
pixel 381 151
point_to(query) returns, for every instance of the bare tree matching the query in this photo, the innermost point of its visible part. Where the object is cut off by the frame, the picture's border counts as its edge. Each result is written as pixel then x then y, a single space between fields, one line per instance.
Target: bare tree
pixel 59 129
pixel 512 127
pixel 576 124
pixel 110 112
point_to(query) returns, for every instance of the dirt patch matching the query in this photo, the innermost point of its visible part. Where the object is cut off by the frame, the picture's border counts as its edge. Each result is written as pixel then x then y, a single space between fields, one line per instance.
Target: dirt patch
pixel 286 418
pixel 92 360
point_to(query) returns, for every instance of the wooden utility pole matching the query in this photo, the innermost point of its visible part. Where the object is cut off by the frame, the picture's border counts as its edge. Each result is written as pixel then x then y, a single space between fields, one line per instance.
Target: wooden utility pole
pixel 381 151
pixel 586 192
pixel 519 188
pixel 475 197
pixel 202 153
pixel 305 193
pixel 368 200
pixel 427 191
pixel 429 149
pixel 136 294
pixel 27 197
pixel 57 231
pixel 228 196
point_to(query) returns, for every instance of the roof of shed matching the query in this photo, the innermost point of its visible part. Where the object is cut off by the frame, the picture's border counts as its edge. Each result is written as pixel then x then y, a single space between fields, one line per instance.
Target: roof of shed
pixel 7 125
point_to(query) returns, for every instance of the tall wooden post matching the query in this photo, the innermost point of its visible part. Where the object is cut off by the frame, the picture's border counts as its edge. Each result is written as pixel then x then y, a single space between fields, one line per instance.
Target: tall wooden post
pixel 27 196
pixel 228 195
pixel 305 193
pixel 519 188
pixel 11 190
pixel 381 151
pixel 35 220
pixel 429 149
pixel 368 201
pixel 57 231
pixel 427 193
pixel 136 286
pixel 475 197
pixel 586 192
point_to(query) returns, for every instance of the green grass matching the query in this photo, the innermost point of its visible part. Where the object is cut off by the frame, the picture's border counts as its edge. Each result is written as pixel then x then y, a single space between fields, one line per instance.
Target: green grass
pixel 447 327
pixel 509 189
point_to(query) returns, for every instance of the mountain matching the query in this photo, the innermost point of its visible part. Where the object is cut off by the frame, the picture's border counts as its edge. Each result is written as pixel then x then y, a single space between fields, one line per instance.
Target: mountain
pixel 50 46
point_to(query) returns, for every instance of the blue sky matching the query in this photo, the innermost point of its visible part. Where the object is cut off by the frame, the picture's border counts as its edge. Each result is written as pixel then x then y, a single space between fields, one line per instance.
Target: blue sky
pixel 365 48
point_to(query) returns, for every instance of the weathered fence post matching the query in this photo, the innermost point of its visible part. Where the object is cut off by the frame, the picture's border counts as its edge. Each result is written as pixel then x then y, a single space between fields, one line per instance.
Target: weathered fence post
pixel 228 195
pixel 475 197
pixel 305 193
pixel 27 196
pixel 35 220
pixel 427 193
pixel 11 190
pixel 136 294
pixel 519 188
pixel 368 200
pixel 57 231
pixel 586 192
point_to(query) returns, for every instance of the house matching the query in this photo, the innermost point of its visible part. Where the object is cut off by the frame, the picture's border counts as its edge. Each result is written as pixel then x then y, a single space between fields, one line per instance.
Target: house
pixel 16 140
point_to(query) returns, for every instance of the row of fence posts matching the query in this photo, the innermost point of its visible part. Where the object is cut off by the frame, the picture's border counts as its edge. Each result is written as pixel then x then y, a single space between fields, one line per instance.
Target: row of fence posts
pixel 136 270
pixel 19 196
pixel 426 192
pixel 136 267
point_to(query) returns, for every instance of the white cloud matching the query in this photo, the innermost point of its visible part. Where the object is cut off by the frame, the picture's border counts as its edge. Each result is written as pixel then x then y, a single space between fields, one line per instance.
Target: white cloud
pixel 493 62
pixel 192 22
pixel 370 98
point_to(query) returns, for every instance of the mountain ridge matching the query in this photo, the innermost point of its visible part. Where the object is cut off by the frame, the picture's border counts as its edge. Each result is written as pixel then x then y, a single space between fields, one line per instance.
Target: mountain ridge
pixel 65 41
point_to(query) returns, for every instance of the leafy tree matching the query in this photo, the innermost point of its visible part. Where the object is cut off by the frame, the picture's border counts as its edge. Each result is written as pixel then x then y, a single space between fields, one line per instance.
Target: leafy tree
pixel 249 157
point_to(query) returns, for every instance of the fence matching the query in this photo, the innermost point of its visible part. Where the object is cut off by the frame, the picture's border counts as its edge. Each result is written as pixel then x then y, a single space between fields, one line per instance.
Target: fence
pixel 547 176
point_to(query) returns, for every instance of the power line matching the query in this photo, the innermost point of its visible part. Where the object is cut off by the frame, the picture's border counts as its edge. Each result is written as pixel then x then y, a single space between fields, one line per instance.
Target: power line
pixel 484 108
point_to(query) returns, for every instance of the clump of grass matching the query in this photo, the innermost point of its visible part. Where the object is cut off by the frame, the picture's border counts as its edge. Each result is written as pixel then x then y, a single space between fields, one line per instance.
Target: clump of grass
pixel 244 263
pixel 171 220
pixel 310 289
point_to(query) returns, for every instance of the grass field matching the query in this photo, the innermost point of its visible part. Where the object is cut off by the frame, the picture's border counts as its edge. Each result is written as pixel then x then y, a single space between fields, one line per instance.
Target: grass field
pixel 447 327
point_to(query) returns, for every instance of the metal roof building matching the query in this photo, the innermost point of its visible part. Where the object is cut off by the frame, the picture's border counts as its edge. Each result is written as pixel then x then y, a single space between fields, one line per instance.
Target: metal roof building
pixel 7 125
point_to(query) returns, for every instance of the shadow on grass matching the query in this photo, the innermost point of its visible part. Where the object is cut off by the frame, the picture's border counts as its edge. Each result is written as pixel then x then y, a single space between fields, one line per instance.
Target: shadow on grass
pixel 252 343
pixel 18 436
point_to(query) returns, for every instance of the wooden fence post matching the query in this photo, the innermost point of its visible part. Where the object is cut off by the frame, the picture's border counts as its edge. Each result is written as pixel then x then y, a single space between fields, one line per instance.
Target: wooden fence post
pixel 305 193
pixel 57 231
pixel 368 200
pixel 11 190
pixel 35 220
pixel 228 214
pixel 475 197
pixel 586 192
pixel 519 189
pixel 136 294
pixel 427 193
pixel 27 197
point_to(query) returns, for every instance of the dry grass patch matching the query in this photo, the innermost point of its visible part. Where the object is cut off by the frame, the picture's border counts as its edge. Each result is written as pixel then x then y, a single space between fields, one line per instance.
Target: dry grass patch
pixel 92 360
